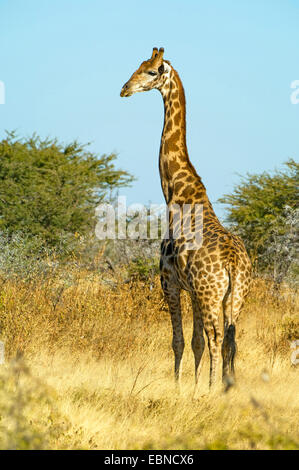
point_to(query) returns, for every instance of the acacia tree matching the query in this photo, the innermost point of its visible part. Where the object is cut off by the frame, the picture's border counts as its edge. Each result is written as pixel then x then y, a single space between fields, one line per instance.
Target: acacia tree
pixel 50 190
pixel 263 210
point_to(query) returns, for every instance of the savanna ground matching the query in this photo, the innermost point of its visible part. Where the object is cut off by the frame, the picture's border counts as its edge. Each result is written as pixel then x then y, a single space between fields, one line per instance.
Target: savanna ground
pixel 89 365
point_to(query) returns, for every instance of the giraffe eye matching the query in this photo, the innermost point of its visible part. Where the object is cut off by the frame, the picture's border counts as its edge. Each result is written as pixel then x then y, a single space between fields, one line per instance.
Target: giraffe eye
pixel 152 73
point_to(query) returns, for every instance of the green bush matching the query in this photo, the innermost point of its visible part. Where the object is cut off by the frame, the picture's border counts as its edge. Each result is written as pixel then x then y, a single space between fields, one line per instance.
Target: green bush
pixel 50 190
pixel 263 210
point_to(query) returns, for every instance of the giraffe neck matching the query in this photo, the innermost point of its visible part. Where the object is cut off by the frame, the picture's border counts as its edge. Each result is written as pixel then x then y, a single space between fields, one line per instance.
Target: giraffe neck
pixel 179 180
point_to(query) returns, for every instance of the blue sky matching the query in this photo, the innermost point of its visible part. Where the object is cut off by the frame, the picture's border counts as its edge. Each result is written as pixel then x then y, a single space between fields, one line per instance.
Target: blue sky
pixel 63 63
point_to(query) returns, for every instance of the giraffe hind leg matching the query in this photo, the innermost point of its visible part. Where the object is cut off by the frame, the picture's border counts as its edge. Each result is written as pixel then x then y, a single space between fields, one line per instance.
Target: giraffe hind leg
pixel 208 309
pixel 213 333
pixel 210 319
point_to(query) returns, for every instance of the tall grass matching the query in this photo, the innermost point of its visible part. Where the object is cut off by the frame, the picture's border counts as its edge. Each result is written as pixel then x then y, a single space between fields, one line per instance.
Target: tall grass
pixel 89 358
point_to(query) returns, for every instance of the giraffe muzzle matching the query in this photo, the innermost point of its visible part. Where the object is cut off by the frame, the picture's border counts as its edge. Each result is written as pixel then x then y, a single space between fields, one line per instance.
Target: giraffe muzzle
pixel 125 91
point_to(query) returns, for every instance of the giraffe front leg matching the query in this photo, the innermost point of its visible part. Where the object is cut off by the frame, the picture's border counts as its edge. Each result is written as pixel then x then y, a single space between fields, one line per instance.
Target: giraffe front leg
pixel 198 341
pixel 172 295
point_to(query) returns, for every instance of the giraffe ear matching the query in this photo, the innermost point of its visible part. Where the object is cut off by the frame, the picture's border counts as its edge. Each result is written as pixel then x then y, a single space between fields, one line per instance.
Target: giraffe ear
pixel 161 69
pixel 155 52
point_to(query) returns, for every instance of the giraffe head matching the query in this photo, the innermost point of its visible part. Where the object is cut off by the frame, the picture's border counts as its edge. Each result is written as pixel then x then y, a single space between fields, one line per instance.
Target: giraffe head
pixel 148 76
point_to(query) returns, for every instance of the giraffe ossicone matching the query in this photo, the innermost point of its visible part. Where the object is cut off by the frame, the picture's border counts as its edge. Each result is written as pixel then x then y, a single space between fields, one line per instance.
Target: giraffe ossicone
pixel 217 275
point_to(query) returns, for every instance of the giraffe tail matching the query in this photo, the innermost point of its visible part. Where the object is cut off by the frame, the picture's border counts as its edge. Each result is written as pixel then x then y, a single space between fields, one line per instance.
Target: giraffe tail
pixel 232 277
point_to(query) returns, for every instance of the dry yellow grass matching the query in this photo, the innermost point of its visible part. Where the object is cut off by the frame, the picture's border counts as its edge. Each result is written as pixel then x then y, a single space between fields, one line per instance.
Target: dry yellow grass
pixel 96 371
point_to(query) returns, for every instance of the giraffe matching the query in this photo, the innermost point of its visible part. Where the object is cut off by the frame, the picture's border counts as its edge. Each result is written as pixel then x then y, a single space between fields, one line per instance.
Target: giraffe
pixel 217 273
